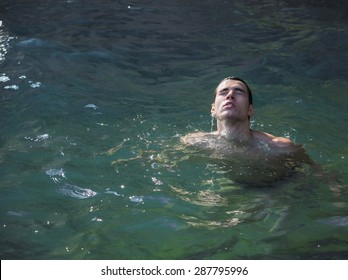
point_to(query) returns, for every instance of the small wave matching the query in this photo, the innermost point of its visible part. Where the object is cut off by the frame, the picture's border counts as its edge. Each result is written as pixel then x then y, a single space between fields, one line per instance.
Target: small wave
pixel 92 106
pixel 38 138
pixel 36 43
pixel 337 221
pixel 13 87
pixel 56 174
pixel 76 192
pixel 35 84
pixel 156 181
pixel 136 198
pixel 108 191
pixel 17 214
pixel 4 79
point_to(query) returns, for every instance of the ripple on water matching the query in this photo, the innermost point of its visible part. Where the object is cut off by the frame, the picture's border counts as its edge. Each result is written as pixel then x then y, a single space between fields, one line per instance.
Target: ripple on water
pixel 76 192
pixel 56 174
pixel 38 138
pixel 136 198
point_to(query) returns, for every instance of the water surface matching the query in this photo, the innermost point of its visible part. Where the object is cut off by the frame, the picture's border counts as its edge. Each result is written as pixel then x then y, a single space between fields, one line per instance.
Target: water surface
pixel 95 96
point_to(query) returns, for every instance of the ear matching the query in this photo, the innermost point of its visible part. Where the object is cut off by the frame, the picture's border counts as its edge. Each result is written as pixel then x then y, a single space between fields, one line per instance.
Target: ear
pixel 251 110
pixel 212 111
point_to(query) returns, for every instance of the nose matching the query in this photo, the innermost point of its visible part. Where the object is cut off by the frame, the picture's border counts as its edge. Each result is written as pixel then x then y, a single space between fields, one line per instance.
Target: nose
pixel 230 94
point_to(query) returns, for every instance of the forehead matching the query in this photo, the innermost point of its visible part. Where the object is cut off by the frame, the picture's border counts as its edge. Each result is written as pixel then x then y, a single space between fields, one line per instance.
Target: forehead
pixel 231 83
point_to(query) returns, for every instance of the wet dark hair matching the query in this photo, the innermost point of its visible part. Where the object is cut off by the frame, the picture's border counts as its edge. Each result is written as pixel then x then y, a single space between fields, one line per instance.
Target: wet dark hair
pixel 250 95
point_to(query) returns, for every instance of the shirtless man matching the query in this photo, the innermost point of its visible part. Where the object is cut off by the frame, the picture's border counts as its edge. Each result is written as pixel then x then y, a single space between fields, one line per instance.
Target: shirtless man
pixel 234 139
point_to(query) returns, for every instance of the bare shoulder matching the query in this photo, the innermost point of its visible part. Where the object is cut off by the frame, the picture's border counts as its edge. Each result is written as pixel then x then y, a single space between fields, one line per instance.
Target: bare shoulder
pixel 285 146
pixel 196 139
pixel 279 142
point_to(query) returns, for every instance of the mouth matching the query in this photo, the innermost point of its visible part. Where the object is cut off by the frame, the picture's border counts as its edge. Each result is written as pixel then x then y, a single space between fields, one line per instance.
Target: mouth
pixel 228 104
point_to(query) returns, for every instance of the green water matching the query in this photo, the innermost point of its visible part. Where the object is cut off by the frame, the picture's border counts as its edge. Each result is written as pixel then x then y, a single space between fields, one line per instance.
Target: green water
pixel 95 96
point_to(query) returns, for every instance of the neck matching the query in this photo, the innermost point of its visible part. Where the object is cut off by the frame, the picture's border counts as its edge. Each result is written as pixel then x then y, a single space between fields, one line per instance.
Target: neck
pixel 240 132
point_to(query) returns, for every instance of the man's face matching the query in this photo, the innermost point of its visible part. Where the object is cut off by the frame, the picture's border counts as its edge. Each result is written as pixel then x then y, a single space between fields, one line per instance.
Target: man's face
pixel 232 101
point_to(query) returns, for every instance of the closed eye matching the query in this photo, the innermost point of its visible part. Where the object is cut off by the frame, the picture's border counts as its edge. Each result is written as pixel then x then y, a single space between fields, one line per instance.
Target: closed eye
pixel 225 91
pixel 239 90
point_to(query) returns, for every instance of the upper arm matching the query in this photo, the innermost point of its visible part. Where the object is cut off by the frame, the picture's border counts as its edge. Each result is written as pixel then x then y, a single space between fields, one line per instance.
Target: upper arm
pixel 279 142
pixel 282 142
pixel 285 145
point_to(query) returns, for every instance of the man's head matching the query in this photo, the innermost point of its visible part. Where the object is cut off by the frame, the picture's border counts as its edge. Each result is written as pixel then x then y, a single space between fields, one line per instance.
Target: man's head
pixel 250 95
pixel 233 100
